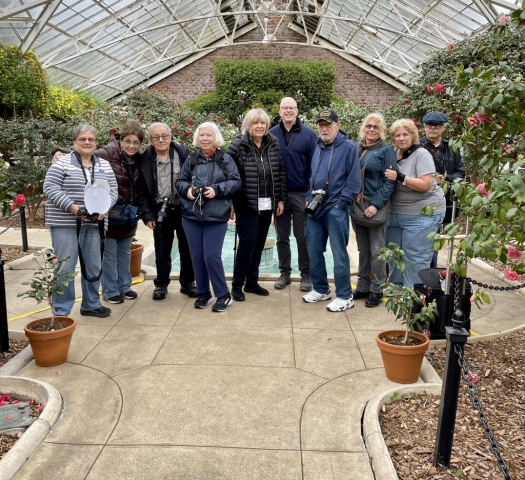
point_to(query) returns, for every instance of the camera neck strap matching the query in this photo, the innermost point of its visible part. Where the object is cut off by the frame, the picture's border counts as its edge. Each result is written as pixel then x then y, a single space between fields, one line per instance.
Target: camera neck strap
pixel 92 170
pixel 102 235
pixel 312 178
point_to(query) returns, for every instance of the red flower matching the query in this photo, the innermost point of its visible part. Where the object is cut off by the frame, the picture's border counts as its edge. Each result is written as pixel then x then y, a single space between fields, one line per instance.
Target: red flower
pixel 415 121
pixel 430 89
pixel 440 88
pixel 407 101
pixel 502 124
pixel 20 199
pixel 458 118
pixel 174 126
pixel 481 188
pixel 187 133
pixel 13 206
pixel 506 148
pixel 450 46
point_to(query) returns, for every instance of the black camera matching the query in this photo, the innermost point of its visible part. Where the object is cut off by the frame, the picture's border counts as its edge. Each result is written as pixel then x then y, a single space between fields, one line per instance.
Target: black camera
pixel 90 217
pixel 162 212
pixel 198 195
pixel 318 198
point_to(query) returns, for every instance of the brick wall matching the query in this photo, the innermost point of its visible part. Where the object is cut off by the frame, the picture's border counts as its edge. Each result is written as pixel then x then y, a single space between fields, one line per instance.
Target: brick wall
pixel 352 82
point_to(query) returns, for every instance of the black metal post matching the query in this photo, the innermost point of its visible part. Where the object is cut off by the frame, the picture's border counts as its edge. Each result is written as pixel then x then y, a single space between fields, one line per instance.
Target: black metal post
pixel 456 335
pixel 23 228
pixel 4 330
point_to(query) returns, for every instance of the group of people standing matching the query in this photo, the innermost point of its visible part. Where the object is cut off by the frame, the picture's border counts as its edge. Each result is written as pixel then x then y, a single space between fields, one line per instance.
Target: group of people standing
pixel 266 173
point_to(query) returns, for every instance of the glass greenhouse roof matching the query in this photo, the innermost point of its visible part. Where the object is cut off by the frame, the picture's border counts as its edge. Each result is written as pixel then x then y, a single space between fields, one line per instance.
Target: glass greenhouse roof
pixel 106 47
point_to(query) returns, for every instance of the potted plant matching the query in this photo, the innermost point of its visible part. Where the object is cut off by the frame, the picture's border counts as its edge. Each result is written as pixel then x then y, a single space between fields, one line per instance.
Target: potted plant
pixel 135 262
pixel 403 350
pixel 49 337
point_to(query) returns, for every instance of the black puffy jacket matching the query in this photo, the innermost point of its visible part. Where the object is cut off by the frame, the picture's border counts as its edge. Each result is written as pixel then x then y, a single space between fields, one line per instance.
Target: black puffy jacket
pixel 246 158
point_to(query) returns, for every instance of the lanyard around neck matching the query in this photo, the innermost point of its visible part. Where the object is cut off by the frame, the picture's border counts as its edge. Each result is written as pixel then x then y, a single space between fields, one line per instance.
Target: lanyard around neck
pixel 92 170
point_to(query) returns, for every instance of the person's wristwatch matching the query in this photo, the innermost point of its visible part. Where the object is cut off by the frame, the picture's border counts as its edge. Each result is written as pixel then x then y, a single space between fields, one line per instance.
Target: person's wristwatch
pixel 404 182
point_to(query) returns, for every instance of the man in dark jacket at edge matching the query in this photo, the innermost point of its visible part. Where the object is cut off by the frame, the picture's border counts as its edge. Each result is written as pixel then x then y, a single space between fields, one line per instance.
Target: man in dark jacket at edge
pixel 334 183
pixel 449 165
pixel 297 143
pixel 161 164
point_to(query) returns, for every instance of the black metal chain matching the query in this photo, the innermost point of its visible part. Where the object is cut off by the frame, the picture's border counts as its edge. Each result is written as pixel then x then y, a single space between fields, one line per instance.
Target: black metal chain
pixel 14 218
pixel 476 402
pixel 495 287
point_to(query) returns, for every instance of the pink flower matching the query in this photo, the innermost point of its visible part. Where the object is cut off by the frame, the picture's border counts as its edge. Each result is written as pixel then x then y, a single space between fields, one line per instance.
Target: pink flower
pixel 174 126
pixel 504 18
pixel 439 88
pixel 13 206
pixel 430 89
pixel 482 118
pixel 510 274
pixel 54 261
pixel 472 121
pixel 473 377
pixel 40 408
pixel 512 252
pixel 9 418
pixel 450 46
pixel 20 199
pixel 481 188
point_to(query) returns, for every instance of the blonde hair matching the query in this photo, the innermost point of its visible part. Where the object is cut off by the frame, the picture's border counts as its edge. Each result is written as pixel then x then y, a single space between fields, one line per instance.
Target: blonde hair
pixel 407 124
pixel 255 115
pixel 218 140
pixel 380 122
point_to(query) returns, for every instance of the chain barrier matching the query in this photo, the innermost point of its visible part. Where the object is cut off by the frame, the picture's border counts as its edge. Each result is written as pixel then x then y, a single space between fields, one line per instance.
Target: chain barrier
pixel 476 402
pixel 14 218
pixel 495 287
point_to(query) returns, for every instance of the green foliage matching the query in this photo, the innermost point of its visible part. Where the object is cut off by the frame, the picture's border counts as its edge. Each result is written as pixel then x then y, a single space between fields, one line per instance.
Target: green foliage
pixel 62 103
pixel 27 146
pixel 48 280
pixel 209 102
pixel 313 80
pixel 401 299
pixel 23 85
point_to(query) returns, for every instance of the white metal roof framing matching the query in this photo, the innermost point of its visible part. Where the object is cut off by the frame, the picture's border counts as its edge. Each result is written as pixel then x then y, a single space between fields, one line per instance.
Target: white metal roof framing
pixel 106 47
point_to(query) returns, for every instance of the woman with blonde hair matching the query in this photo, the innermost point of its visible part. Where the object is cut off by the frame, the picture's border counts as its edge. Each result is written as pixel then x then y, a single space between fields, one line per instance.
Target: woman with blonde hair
pixel 416 189
pixel 257 155
pixel 376 157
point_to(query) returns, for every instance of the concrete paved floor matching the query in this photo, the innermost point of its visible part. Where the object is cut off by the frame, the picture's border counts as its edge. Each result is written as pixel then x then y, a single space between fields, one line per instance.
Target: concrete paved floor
pixel 274 388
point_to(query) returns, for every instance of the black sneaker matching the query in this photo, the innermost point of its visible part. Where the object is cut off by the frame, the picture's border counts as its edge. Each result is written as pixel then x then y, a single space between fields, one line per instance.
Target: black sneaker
pixel 257 289
pixel 99 312
pixel 130 295
pixel 115 299
pixel 204 300
pixel 189 289
pixel 237 294
pixel 222 303
pixel 160 292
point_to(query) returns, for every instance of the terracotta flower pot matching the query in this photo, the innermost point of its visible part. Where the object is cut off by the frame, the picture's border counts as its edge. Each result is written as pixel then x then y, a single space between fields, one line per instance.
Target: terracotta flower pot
pixel 50 348
pixel 136 259
pixel 402 362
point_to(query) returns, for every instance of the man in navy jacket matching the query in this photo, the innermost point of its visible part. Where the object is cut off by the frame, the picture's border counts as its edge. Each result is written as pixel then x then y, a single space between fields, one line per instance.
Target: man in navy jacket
pixel 334 183
pixel 297 142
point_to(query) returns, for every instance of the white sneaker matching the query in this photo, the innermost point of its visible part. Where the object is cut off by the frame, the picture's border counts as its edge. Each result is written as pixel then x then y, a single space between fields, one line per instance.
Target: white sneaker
pixel 340 305
pixel 314 297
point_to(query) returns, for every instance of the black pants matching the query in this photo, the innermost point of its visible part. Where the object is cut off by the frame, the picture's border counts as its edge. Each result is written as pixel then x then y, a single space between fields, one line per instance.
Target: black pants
pixel 252 229
pixel 164 235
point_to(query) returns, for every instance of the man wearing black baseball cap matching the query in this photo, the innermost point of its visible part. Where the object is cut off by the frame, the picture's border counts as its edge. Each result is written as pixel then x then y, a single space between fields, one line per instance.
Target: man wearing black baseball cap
pixel 449 165
pixel 334 182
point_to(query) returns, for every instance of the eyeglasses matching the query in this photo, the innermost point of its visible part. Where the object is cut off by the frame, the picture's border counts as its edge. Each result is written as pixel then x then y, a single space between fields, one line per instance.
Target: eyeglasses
pixel 85 140
pixel 372 127
pixel 433 125
pixel 156 138
pixel 135 143
pixel 288 108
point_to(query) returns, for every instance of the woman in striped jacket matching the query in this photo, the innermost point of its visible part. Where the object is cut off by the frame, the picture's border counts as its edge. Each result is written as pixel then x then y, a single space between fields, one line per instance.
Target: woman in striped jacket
pixel 64 188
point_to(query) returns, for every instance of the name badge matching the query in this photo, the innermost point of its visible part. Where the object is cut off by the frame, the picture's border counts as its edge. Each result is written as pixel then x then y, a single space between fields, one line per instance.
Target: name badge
pixel 265 203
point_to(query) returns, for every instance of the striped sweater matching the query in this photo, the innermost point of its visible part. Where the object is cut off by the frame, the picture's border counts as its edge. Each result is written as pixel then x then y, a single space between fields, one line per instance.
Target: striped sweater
pixel 64 186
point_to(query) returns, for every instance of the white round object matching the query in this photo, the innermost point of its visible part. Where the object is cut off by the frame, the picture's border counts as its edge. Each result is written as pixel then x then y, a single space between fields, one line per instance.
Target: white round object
pixel 97 199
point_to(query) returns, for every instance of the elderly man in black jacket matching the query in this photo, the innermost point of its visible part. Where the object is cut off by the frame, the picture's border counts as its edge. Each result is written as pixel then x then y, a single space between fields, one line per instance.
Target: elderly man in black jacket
pixel 160 206
pixel 449 165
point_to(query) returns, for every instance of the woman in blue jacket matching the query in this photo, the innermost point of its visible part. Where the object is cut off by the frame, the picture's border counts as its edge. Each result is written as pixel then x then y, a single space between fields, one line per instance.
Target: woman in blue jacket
pixel 375 157
pixel 207 181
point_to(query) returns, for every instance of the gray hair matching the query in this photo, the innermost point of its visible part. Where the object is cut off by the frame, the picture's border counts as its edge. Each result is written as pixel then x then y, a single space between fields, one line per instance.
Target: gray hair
pixel 84 127
pixel 288 99
pixel 380 122
pixel 157 125
pixel 218 138
pixel 255 115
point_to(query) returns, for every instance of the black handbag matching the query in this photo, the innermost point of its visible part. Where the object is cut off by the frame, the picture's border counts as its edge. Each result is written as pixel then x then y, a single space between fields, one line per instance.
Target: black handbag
pixel 123 214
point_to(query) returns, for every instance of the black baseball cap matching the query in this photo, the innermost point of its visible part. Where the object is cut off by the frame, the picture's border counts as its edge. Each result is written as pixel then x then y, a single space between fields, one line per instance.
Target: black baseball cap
pixel 327 116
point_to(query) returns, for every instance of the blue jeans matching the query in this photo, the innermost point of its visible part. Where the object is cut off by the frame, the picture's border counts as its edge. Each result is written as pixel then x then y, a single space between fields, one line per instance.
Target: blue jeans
pixel 206 240
pixel 64 240
pixel 410 233
pixel 116 277
pixel 334 225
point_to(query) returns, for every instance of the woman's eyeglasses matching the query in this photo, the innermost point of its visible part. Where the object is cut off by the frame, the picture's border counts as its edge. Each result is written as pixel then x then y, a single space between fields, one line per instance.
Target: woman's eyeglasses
pixel 156 138
pixel 85 140
pixel 135 143
pixel 372 127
